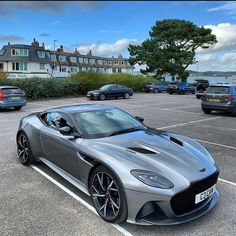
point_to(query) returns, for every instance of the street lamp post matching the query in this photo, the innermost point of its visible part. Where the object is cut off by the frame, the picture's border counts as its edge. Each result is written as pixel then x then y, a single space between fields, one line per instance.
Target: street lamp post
pixel 54 61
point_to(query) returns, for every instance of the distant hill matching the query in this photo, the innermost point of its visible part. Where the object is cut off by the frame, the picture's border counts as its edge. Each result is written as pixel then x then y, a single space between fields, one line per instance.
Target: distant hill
pixel 213 73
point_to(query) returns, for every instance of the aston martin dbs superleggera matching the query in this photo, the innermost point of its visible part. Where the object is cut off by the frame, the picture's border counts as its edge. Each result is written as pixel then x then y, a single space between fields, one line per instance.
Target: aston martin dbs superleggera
pixel 132 172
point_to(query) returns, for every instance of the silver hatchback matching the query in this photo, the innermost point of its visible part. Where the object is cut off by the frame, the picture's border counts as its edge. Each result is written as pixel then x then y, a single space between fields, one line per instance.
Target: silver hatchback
pixel 12 97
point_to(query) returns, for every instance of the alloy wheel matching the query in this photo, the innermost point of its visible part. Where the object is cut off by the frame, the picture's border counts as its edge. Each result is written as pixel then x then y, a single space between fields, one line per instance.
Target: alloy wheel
pixel 23 148
pixel 106 196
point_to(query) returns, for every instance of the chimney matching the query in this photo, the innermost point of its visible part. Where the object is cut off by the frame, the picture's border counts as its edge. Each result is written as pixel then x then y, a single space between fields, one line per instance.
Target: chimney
pixel 89 53
pixel 8 43
pixel 76 51
pixel 43 46
pixel 61 48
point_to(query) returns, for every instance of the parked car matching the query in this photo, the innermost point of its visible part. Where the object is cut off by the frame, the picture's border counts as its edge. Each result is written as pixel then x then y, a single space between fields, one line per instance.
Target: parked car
pixel 154 88
pixel 201 87
pixel 11 96
pixel 220 97
pixel 180 88
pixel 131 172
pixel 110 91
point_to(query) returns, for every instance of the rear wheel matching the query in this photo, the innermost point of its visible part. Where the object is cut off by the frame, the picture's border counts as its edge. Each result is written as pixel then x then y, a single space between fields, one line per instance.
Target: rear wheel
pixel 233 113
pixel 102 97
pixel 108 195
pixel 126 96
pixel 206 110
pixel 17 108
pixel 155 90
pixel 24 152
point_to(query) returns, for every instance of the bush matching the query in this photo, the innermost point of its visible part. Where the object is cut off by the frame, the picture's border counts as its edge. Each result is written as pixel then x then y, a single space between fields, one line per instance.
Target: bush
pixel 3 75
pixel 38 88
pixel 93 80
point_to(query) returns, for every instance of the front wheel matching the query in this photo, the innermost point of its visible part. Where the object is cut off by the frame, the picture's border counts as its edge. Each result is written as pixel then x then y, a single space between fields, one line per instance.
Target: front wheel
pixel 155 90
pixel 126 96
pixel 24 152
pixel 102 97
pixel 108 195
pixel 206 110
pixel 17 108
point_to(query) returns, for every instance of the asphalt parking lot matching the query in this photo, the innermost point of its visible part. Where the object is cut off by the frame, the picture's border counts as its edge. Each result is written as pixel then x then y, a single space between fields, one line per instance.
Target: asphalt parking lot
pixel 36 201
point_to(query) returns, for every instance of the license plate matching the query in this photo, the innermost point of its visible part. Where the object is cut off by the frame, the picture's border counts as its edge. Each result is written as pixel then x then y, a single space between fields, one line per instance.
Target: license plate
pixel 214 100
pixel 205 194
pixel 15 98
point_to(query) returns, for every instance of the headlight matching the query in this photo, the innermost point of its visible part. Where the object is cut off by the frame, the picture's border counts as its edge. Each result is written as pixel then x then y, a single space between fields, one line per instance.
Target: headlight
pixel 152 179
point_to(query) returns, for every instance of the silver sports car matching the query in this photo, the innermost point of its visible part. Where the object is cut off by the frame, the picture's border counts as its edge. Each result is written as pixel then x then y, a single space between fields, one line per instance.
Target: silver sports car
pixel 132 172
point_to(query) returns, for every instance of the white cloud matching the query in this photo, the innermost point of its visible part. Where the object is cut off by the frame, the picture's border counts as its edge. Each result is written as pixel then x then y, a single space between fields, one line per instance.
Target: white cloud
pixel 226 37
pixel 229 7
pixel 105 49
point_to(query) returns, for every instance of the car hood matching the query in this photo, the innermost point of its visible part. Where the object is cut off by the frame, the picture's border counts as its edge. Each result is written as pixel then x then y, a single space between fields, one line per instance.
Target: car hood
pixel 161 152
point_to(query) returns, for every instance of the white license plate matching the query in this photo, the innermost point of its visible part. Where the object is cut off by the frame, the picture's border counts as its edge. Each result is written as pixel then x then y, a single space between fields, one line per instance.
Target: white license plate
pixel 205 194
pixel 15 98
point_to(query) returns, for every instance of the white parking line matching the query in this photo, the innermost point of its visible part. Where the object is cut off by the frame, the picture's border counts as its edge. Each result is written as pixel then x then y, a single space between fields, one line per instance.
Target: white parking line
pixel 216 144
pixel 179 107
pixel 80 200
pixel 228 182
pixel 190 122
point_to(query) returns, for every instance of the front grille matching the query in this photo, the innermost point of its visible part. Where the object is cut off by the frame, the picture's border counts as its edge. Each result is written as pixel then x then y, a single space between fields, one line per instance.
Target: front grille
pixel 184 201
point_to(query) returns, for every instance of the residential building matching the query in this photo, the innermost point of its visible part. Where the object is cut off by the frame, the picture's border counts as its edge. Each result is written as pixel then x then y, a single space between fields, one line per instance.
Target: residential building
pixel 22 61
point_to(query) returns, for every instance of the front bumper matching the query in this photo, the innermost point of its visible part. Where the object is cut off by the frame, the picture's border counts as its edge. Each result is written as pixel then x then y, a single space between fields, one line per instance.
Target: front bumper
pixel 93 96
pixel 218 107
pixel 162 213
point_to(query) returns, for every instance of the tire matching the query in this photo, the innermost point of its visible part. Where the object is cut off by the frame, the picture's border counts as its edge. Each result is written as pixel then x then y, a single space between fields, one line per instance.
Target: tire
pixel 206 110
pixel 170 92
pixel 102 97
pixel 233 113
pixel 17 108
pixel 155 91
pixel 24 152
pixel 111 203
pixel 181 92
pixel 126 96
pixel 198 97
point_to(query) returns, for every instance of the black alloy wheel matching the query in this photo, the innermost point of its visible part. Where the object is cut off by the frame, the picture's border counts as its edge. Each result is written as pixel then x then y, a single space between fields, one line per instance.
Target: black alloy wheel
pixel 108 196
pixel 126 96
pixel 23 150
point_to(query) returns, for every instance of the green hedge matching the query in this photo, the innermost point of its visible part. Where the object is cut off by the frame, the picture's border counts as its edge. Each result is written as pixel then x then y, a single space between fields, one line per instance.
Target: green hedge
pixel 38 88
pixel 93 80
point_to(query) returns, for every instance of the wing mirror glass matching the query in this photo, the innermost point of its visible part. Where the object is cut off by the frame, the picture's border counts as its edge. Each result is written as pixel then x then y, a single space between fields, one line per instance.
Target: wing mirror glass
pixel 141 119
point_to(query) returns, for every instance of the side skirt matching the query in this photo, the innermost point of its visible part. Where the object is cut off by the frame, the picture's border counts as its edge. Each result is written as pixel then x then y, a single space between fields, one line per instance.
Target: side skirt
pixel 65 175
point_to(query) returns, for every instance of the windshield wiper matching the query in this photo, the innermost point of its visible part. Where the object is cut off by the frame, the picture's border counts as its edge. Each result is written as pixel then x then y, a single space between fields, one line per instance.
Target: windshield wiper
pixel 123 131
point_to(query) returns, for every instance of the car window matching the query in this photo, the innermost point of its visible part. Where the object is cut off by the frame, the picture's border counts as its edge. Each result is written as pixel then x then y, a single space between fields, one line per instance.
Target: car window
pixel 8 91
pixel 57 120
pixel 121 87
pixel 218 90
pixel 234 90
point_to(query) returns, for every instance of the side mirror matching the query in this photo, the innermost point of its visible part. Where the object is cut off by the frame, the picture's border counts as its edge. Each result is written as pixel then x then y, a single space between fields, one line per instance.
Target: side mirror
pixel 66 130
pixel 141 119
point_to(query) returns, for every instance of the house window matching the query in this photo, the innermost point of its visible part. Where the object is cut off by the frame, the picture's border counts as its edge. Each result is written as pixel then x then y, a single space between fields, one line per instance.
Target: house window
pixel 86 60
pixel 92 61
pixel 81 60
pixel 109 62
pixel 62 68
pixel 19 66
pixel 42 66
pixel 1 67
pixel 113 70
pixel 41 54
pixel 53 57
pixel 73 69
pixel 23 52
pixel 122 62
pixel 105 62
pixel 119 70
pixel 99 62
pixel 62 58
pixel 73 59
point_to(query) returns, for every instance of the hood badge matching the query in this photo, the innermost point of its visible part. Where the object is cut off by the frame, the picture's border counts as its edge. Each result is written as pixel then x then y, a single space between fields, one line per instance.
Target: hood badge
pixel 203 170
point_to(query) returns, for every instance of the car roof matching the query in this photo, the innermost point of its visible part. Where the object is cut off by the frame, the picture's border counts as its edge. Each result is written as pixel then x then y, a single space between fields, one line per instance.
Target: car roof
pixel 8 87
pixel 80 108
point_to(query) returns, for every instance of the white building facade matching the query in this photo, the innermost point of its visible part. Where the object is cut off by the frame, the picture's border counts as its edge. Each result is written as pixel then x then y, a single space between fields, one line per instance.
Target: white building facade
pixel 27 61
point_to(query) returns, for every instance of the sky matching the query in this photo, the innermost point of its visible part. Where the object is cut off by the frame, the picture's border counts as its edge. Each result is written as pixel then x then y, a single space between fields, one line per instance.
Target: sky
pixel 107 28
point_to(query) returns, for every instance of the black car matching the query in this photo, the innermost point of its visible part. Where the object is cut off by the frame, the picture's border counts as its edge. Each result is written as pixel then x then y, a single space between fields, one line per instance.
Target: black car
pixel 180 88
pixel 220 97
pixel 110 91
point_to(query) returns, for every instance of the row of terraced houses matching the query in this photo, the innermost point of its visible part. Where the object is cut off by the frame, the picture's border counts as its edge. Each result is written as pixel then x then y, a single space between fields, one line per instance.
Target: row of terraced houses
pixel 22 61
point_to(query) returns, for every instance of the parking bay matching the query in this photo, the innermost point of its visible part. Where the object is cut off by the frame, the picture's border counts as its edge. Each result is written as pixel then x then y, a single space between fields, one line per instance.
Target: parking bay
pixel 32 205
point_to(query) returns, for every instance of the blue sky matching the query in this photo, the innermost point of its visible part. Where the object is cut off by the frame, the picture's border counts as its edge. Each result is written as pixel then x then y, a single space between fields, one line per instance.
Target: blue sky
pixel 107 28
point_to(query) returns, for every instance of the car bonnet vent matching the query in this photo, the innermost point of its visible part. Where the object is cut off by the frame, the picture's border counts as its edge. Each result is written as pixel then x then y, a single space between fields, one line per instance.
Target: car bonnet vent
pixel 176 141
pixel 141 150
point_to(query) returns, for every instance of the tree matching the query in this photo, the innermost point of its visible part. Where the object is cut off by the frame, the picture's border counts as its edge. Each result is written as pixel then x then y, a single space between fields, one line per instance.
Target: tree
pixel 171 47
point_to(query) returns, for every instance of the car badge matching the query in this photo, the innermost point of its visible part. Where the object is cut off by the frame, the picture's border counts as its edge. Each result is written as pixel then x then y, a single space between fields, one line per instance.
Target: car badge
pixel 203 170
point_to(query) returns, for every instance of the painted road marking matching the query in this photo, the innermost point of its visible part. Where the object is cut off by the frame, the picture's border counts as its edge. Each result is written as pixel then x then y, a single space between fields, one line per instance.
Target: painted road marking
pixel 216 144
pixel 228 182
pixel 172 108
pixel 80 200
pixel 190 122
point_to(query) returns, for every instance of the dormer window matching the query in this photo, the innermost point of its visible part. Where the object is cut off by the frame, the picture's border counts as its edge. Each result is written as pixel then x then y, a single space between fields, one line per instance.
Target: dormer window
pixel 41 54
pixel 86 60
pixel 22 52
pixel 81 60
pixel 2 52
pixel 92 61
pixel 73 59
pixel 62 58
pixel 53 57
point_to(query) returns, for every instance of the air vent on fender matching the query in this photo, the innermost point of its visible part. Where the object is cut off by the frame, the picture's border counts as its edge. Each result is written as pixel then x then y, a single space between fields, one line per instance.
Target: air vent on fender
pixel 176 141
pixel 141 150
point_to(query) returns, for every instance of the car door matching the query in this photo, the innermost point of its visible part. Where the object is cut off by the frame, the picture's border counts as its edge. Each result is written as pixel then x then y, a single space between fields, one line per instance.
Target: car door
pixel 59 149
pixel 114 91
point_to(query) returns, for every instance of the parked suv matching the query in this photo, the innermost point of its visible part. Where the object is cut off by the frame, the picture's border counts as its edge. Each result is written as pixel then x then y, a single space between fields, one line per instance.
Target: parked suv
pixel 11 96
pixel 180 88
pixel 201 87
pixel 220 97
pixel 154 88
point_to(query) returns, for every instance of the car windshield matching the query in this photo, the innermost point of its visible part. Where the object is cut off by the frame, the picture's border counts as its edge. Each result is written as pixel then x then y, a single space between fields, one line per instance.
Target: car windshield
pixel 105 87
pixel 218 90
pixel 108 122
